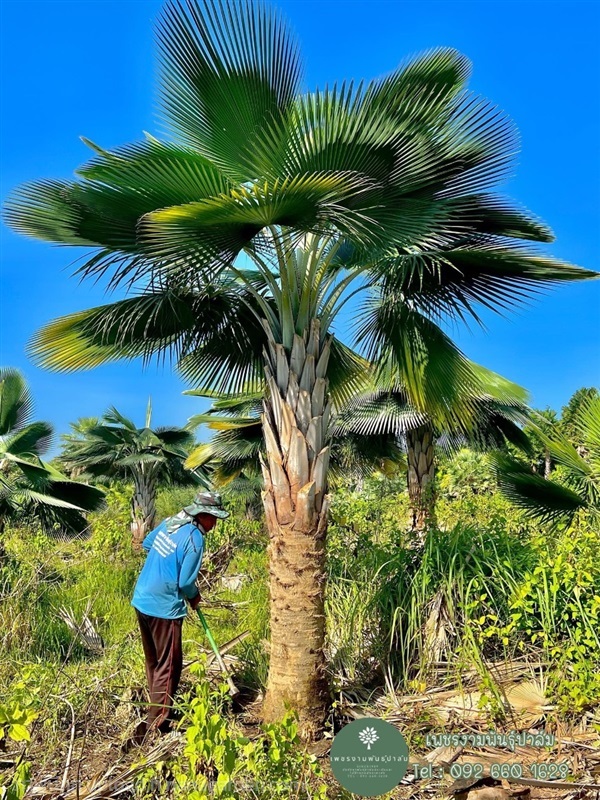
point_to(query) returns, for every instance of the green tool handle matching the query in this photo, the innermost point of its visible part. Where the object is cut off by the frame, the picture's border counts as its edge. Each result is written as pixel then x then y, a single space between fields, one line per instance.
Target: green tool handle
pixel 232 687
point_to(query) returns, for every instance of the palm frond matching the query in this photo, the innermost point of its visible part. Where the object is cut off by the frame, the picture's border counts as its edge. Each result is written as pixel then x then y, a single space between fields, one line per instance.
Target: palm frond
pixel 378 413
pixel 227 70
pixel 209 234
pixel 357 455
pixel 16 402
pixel 539 497
pixel 411 351
pixel 114 417
pixel 174 436
pixel 194 327
pixel 456 282
pixel 33 439
pixel 588 425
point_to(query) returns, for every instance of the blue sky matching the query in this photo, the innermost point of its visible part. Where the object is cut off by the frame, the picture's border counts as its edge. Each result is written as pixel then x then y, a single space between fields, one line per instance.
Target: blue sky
pixel 87 68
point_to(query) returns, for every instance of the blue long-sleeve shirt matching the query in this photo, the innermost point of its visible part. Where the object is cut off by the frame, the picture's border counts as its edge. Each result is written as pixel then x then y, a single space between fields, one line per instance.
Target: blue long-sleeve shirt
pixel 169 575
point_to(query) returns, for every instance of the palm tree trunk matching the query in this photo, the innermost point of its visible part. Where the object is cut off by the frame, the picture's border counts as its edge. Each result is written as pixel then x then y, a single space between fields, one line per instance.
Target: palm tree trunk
pixel 547 464
pixel 295 423
pixel 421 477
pixel 143 505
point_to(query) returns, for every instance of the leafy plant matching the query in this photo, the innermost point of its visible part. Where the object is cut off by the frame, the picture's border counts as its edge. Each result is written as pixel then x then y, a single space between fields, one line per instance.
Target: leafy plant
pixel 218 761
pixel 15 722
pixel 32 490
pixel 19 783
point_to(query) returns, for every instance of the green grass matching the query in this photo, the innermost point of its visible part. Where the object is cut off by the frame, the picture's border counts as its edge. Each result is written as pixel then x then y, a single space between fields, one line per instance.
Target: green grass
pixel 502 587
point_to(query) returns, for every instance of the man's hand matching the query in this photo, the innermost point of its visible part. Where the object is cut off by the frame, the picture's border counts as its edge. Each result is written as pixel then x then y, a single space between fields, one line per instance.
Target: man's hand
pixel 195 601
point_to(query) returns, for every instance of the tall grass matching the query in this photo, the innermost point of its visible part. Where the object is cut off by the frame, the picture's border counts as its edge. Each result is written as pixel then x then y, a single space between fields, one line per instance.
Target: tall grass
pixel 427 609
pixel 480 592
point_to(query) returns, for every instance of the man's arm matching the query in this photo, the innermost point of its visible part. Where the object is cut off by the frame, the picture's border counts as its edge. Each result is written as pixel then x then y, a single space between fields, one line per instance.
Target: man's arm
pixel 149 540
pixel 190 565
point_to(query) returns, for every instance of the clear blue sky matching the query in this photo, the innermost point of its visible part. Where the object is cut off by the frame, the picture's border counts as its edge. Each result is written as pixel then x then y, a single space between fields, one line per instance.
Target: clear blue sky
pixel 87 68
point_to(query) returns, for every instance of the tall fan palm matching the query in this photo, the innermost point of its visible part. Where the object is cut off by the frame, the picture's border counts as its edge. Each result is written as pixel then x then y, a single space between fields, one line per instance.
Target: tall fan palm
pixel 579 471
pixel 381 188
pixel 31 490
pixel 114 447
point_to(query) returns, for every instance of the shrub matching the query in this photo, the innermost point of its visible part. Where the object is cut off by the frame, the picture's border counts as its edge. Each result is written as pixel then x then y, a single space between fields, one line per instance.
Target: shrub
pixel 219 761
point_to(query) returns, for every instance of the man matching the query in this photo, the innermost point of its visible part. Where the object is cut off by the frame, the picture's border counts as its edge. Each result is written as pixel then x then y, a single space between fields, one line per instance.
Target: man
pixel 166 582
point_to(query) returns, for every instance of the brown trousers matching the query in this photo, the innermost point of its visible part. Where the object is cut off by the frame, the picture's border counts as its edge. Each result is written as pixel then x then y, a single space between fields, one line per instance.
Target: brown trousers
pixel 161 640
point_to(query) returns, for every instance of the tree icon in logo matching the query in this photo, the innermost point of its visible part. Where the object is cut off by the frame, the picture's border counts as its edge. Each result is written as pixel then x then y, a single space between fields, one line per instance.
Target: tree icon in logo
pixel 368 736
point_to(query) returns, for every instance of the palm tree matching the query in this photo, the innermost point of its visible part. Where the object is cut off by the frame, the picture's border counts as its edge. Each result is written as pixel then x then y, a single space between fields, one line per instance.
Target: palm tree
pixel 547 422
pixel 578 468
pixel 31 490
pixel 115 448
pixel 486 416
pixel 380 188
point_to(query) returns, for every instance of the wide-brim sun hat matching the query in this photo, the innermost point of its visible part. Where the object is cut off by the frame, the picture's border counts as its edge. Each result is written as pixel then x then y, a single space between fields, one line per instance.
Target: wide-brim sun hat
pixel 207 503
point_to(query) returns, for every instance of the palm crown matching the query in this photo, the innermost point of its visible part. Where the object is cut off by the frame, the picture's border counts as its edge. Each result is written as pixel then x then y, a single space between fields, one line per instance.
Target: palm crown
pixel 115 448
pixel 399 169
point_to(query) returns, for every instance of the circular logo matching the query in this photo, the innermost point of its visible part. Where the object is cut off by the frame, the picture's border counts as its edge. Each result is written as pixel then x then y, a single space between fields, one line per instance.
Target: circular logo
pixel 369 757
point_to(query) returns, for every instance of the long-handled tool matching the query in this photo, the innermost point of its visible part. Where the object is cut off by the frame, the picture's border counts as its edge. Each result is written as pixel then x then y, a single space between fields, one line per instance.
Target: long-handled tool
pixel 233 690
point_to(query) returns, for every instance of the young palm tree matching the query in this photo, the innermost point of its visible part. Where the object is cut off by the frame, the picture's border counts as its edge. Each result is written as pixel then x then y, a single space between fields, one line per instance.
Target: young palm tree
pixel 487 415
pixel 31 490
pixel 381 188
pixel 579 469
pixel 114 447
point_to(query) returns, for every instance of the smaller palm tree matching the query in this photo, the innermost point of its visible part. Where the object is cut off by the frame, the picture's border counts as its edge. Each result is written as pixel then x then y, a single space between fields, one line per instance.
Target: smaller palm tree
pixel 541 458
pixel 578 470
pixel 31 490
pixel 485 415
pixel 114 448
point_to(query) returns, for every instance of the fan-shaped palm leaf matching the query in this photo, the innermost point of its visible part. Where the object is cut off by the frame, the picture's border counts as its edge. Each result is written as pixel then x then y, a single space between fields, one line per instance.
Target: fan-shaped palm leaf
pixel 16 402
pixel 580 486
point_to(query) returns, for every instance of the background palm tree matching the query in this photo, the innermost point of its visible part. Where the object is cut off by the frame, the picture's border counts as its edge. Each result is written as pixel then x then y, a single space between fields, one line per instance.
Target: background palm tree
pixel 377 430
pixel 381 189
pixel 485 416
pixel 578 468
pixel 547 422
pixel 115 448
pixel 570 424
pixel 31 490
